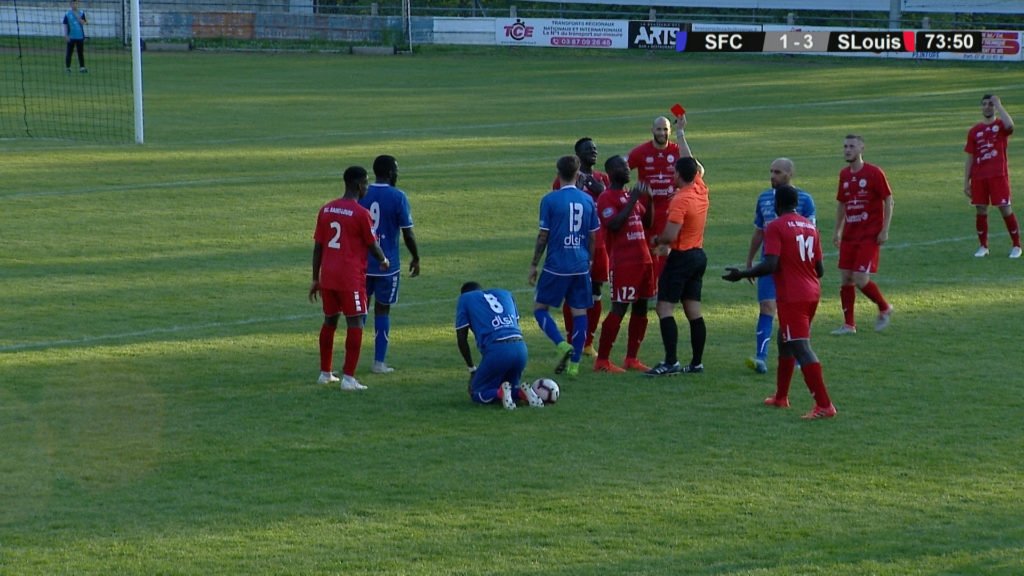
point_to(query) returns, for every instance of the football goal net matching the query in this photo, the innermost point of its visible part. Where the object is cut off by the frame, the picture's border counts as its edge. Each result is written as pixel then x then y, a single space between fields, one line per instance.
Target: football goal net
pixel 70 70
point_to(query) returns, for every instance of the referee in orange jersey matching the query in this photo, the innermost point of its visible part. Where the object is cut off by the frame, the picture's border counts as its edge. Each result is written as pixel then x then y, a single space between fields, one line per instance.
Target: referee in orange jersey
pixel 683 276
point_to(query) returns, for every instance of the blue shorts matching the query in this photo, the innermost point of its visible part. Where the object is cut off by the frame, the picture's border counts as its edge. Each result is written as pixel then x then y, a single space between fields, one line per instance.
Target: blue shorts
pixel 383 289
pixel 575 289
pixel 503 361
pixel 765 288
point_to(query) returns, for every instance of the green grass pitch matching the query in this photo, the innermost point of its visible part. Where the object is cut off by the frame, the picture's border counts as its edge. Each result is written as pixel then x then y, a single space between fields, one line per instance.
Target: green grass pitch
pixel 158 412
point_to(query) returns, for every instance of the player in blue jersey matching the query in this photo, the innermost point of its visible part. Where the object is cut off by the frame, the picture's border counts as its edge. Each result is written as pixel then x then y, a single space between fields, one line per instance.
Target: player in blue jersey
pixel 764 212
pixel 493 317
pixel 74 33
pixel 568 228
pixel 389 208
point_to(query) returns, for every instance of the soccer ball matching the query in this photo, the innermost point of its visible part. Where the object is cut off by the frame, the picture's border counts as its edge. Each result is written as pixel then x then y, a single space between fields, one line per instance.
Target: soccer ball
pixel 547 389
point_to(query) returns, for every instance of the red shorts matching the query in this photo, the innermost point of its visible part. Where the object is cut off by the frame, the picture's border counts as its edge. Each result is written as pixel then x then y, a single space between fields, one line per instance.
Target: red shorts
pixel 632 281
pixel 346 302
pixel 599 269
pixel 990 191
pixel 859 256
pixel 659 265
pixel 795 320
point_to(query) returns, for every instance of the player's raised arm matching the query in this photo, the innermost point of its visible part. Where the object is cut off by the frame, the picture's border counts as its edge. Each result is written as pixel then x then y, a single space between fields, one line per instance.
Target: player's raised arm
pixel 1003 114
pixel 684 146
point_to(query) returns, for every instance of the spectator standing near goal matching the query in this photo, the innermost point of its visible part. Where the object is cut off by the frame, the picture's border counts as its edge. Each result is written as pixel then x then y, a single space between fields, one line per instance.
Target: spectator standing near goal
pixel 654 162
pixel 568 226
pixel 389 209
pixel 683 276
pixel 863 214
pixel 593 182
pixel 792 255
pixel 781 174
pixel 74 33
pixel 343 235
pixel 986 175
pixel 493 318
pixel 625 221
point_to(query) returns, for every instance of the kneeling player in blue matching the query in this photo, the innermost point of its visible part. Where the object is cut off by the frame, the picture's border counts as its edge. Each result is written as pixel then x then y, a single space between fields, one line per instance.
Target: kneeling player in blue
pixel 494 319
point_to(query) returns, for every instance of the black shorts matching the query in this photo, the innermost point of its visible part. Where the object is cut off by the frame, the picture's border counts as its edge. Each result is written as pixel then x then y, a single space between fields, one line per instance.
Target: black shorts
pixel 683 276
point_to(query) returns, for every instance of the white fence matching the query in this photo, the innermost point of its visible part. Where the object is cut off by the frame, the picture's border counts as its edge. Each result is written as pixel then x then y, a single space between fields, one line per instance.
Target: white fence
pixel 934 6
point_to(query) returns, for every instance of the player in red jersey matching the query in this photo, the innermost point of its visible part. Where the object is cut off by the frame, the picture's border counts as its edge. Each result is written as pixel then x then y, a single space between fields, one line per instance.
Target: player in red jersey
pixel 342 240
pixel 792 255
pixel 625 221
pixel 655 165
pixel 863 214
pixel 593 182
pixel 986 177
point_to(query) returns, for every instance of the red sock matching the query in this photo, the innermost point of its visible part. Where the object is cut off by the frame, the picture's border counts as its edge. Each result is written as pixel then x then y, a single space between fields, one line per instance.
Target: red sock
pixel 567 318
pixel 848 295
pixel 353 342
pixel 1013 228
pixel 637 331
pixel 609 332
pixel 816 383
pixel 981 223
pixel 871 291
pixel 593 319
pixel 783 376
pixel 326 347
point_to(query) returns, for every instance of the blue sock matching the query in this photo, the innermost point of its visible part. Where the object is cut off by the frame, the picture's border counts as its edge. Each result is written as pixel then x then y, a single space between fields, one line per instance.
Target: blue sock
pixel 382 325
pixel 579 336
pixel 547 325
pixel 764 335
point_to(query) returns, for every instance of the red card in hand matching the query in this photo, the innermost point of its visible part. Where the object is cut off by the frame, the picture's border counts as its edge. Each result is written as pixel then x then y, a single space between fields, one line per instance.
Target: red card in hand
pixel 678 110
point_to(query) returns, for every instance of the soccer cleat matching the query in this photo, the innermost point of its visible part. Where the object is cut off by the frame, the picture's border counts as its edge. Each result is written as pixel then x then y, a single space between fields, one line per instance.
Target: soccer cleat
pixel 531 396
pixel 1015 252
pixel 634 364
pixel 507 400
pixel 844 329
pixel 564 354
pixel 693 369
pixel 349 383
pixel 607 366
pixel 757 365
pixel 83 70
pixel 883 320
pixel 776 402
pixel 819 412
pixel 588 350
pixel 327 378
pixel 572 370
pixel 381 368
pixel 67 70
pixel 663 369
pixel 982 252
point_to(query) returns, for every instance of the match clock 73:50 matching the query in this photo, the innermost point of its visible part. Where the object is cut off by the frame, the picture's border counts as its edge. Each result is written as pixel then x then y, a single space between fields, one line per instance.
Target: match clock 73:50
pixel 948 41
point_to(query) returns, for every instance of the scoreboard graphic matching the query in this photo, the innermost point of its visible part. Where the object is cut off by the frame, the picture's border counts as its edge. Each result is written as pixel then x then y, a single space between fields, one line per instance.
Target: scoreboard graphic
pixel 799 42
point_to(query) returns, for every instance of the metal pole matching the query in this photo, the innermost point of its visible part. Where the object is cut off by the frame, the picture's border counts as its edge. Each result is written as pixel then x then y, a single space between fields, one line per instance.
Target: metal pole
pixel 137 72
